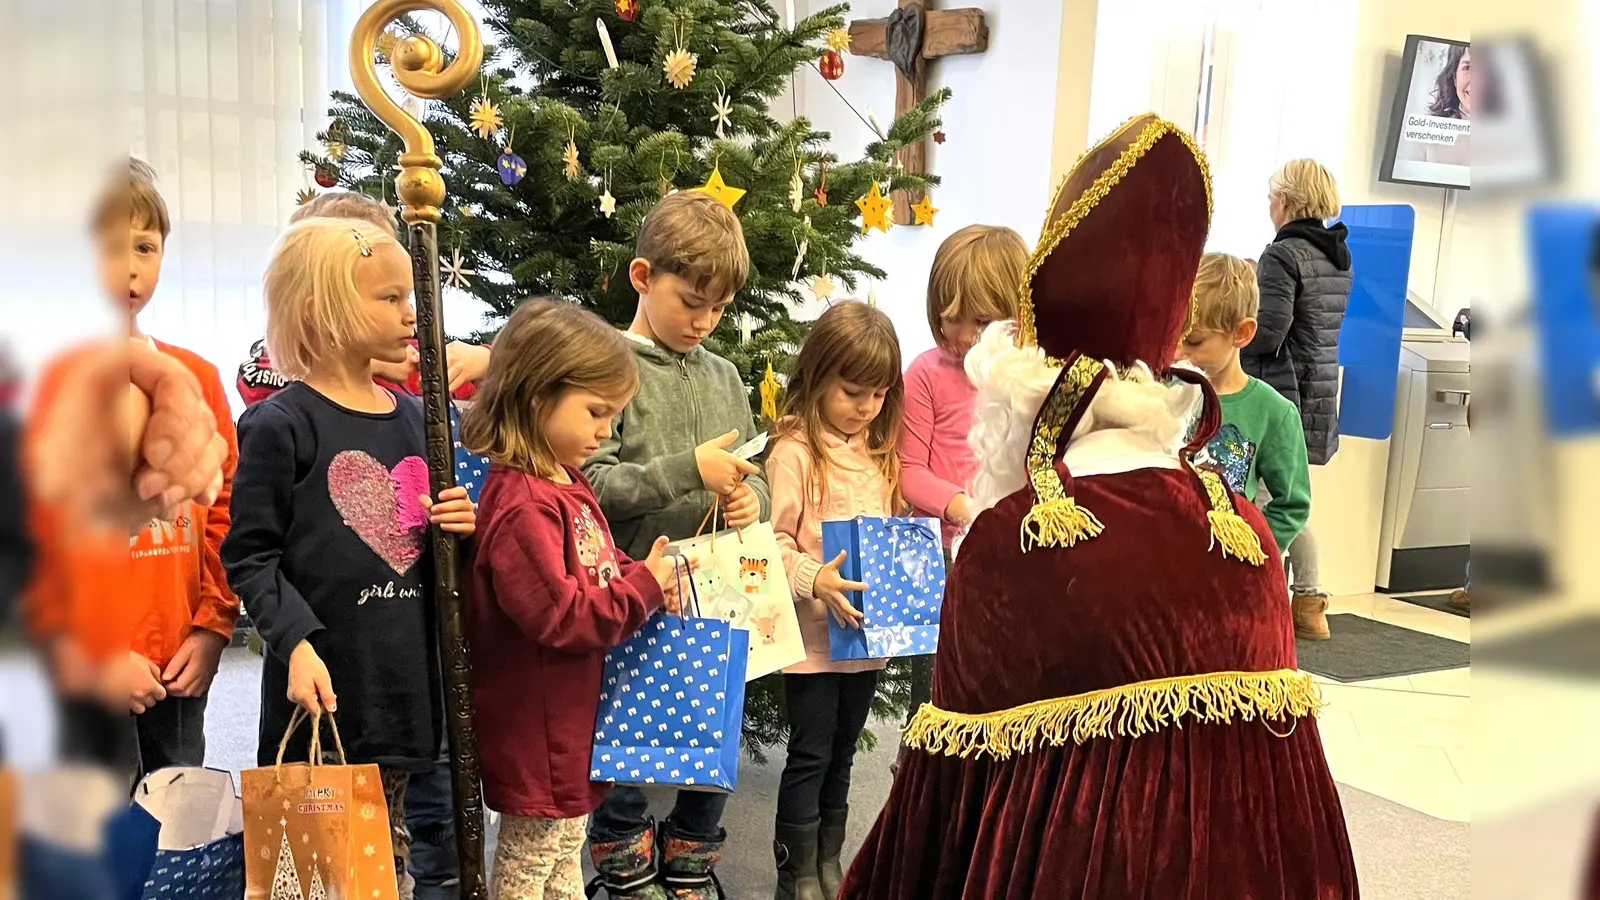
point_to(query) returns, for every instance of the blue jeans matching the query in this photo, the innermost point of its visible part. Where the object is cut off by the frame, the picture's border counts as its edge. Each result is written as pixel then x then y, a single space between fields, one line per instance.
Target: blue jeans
pixel 430 814
pixel 696 815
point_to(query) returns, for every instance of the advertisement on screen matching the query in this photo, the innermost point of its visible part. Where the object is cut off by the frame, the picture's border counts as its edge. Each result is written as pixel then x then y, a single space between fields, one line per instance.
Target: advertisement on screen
pixel 1430 135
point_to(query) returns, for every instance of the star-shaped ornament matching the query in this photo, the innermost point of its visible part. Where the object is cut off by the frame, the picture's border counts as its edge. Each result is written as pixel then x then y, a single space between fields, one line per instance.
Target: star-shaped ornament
pixel 608 204
pixel 679 67
pixel 874 210
pixel 839 39
pixel 570 157
pixel 923 211
pixel 455 270
pixel 720 114
pixel 769 394
pixel 486 120
pixel 822 287
pixel 797 191
pixel 938 137
pixel 720 190
pixel 306 195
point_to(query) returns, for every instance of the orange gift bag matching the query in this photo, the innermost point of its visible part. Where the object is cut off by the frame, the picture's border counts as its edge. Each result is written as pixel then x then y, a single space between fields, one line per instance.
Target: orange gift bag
pixel 314 831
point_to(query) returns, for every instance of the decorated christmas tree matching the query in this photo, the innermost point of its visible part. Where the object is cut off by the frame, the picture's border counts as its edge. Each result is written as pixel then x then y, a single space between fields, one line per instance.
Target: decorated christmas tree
pixel 286 879
pixel 589 112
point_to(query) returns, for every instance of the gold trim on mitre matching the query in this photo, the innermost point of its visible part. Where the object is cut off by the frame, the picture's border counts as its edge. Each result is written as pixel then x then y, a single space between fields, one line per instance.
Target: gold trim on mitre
pixel 1056 519
pixel 1059 223
pixel 1132 710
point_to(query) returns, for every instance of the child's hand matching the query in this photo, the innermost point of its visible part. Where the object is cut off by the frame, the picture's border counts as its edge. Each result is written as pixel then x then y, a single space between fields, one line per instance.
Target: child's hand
pixel 396 373
pixel 721 471
pixel 666 570
pixel 144 686
pixel 742 508
pixel 453 513
pixel 195 664
pixel 959 511
pixel 468 363
pixel 310 685
pixel 830 588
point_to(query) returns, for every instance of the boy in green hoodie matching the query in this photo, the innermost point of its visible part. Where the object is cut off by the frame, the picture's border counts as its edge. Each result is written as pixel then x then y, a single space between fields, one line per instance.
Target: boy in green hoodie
pixel 665 464
pixel 1261 443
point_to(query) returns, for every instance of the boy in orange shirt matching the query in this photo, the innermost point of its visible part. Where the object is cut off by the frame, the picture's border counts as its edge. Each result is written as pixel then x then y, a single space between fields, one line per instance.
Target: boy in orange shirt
pixel 167 602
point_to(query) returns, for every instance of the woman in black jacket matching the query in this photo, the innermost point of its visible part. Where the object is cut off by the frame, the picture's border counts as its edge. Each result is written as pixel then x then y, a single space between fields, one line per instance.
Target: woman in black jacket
pixel 1304 276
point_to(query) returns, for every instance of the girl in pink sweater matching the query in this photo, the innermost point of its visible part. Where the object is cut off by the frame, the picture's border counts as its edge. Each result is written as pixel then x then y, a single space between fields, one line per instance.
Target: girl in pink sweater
pixel 834 458
pixel 974 282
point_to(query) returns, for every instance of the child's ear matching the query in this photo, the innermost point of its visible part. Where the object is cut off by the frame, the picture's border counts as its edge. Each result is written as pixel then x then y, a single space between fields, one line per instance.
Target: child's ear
pixel 1245 333
pixel 639 274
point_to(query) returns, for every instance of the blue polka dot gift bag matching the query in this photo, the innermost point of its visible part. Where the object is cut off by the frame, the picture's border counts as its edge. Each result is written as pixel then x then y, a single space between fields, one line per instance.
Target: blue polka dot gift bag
pixel 200 855
pixel 471 469
pixel 901 560
pixel 672 703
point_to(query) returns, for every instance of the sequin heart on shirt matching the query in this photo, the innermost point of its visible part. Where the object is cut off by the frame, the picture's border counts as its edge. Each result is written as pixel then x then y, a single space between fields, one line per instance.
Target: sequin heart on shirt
pixel 380 505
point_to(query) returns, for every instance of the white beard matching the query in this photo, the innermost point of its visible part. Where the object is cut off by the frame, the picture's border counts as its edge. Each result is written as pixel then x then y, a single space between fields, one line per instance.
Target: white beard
pixel 1012 384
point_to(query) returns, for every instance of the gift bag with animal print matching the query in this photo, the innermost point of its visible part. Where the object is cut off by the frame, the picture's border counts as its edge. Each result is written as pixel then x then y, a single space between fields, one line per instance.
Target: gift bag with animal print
pixel 316 832
pixel 741 581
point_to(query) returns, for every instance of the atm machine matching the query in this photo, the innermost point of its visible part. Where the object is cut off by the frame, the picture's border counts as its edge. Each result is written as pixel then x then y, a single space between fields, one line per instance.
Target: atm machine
pixel 1426 536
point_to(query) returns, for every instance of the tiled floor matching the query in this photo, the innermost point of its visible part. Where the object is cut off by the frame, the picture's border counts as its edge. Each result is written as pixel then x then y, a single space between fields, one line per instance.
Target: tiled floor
pixel 1405 738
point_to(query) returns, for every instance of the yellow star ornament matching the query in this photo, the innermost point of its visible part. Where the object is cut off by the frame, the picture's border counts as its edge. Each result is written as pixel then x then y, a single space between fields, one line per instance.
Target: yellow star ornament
pixel 769 395
pixel 720 190
pixel 874 210
pixel 923 211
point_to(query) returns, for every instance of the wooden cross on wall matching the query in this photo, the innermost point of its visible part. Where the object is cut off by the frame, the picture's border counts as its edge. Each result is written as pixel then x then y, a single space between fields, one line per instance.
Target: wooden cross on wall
pixel 920 35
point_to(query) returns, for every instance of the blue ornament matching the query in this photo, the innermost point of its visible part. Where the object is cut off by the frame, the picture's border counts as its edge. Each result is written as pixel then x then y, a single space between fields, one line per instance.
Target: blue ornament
pixel 512 168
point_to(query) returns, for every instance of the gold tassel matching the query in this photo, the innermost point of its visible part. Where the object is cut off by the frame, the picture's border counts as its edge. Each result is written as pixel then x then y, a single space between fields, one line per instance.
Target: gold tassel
pixel 1058 523
pixel 1128 711
pixel 1234 534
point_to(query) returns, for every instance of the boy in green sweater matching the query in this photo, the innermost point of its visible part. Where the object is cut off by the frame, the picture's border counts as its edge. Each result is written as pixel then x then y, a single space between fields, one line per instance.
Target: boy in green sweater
pixel 665 464
pixel 1261 443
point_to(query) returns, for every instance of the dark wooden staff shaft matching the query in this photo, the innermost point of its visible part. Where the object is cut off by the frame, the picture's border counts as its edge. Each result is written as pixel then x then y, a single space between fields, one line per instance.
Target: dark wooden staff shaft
pixel 455 657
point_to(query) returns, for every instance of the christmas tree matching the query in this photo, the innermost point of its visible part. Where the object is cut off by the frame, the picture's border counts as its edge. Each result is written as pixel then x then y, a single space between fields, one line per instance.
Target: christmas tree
pixel 588 113
pixel 286 880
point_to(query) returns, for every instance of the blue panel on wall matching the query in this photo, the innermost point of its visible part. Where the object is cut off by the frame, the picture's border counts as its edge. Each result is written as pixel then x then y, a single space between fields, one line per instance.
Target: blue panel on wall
pixel 1560 237
pixel 1369 343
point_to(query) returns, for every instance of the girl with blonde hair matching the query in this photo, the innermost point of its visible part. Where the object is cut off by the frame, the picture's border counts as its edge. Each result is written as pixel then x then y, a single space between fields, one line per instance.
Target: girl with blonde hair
pixel 329 550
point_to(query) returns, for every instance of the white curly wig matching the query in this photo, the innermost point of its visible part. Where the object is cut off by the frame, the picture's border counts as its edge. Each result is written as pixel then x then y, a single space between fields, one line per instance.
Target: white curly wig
pixel 1012 383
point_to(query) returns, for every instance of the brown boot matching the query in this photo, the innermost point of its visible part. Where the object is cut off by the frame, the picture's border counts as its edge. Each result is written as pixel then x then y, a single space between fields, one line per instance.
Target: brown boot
pixel 1310 617
pixel 1461 600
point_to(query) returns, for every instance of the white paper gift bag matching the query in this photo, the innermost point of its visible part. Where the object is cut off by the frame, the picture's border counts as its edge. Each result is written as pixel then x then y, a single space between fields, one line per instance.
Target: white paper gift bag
pixel 741 581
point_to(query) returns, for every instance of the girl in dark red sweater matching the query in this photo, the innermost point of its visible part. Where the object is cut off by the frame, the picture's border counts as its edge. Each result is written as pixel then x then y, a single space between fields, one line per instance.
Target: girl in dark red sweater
pixel 548 593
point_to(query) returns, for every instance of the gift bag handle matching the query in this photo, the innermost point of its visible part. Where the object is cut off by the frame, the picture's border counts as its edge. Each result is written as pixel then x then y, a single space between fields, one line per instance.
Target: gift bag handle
pixel 912 525
pixel 314 757
pixel 710 518
pixel 680 568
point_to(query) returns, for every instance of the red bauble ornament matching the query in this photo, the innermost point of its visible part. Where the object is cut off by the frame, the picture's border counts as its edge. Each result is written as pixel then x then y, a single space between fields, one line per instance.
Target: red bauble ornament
pixel 627 10
pixel 327 176
pixel 831 64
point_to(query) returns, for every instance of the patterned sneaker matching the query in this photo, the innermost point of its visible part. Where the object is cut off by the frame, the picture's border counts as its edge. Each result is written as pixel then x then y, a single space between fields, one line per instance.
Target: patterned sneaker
pixel 627 867
pixel 689 867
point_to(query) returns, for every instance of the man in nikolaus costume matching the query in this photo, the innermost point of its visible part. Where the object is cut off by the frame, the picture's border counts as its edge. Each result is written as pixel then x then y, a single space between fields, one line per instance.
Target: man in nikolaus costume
pixel 1116 708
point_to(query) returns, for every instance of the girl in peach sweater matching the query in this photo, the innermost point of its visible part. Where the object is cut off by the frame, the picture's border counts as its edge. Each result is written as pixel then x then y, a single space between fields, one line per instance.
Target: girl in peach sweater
pixel 835 458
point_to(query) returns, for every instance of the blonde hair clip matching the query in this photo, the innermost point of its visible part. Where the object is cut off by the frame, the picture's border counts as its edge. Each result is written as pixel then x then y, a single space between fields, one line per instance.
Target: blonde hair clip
pixel 361 241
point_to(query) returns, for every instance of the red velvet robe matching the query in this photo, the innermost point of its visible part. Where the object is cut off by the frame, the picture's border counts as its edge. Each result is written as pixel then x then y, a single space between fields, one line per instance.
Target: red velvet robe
pixel 1197 812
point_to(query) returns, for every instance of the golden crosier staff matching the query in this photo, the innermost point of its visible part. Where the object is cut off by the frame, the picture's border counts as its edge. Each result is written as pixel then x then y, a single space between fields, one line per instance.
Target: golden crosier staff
pixel 418 65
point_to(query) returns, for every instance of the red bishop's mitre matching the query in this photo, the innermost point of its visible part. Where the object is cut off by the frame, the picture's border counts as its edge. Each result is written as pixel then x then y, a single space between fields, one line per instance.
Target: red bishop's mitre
pixel 1113 275
pixel 1112 281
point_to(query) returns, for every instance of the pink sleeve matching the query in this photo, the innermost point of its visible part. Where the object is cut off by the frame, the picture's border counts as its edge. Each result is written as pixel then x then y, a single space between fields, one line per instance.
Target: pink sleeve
pixel 925 490
pixel 786 477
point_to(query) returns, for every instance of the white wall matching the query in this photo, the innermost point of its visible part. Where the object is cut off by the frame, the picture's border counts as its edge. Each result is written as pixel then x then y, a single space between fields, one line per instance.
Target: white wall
pixel 995 162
